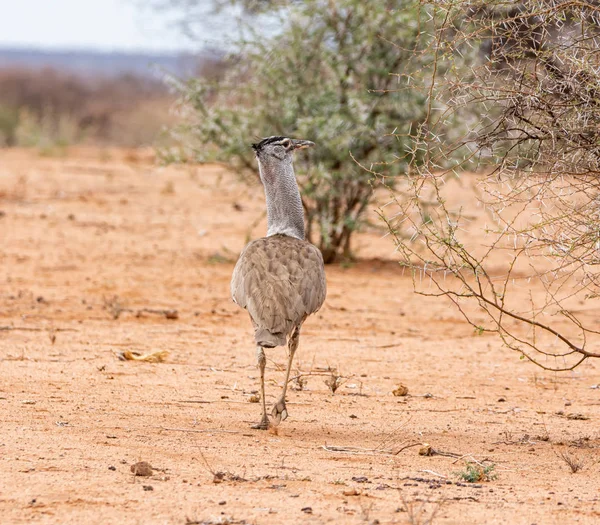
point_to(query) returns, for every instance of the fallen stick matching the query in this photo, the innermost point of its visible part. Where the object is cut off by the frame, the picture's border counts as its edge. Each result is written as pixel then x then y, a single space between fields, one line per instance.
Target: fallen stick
pixel 356 450
pixel 201 431
pixel 169 314
pixel 407 446
pixel 30 329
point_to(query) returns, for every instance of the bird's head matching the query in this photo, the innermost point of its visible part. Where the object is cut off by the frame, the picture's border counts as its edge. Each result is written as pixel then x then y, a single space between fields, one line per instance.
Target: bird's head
pixel 274 149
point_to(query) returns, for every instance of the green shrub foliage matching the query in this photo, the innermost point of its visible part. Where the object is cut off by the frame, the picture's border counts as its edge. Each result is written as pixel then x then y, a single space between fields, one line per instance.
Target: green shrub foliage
pixel 330 74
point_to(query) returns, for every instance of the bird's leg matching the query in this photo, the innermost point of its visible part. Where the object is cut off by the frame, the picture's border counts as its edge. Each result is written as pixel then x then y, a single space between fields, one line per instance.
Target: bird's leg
pixel 261 363
pixel 279 412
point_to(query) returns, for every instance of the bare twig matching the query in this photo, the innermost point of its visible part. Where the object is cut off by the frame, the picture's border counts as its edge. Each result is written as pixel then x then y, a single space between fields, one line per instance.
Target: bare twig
pixel 529 88
pixel 574 463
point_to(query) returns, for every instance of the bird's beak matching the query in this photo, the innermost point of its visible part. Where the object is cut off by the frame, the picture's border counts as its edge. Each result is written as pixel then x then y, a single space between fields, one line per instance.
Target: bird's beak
pixel 301 144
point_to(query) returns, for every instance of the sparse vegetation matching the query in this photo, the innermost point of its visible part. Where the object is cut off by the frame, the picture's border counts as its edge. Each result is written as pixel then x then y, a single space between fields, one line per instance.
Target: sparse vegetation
pixel 77 420
pixel 327 75
pixel 120 412
pixel 334 381
pixel 476 473
pixel 114 306
pixel 574 463
pixel 422 512
pixel 530 101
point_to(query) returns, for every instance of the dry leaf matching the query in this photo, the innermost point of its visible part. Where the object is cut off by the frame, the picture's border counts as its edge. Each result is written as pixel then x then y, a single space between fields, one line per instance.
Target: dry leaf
pixel 154 357
pixel 426 450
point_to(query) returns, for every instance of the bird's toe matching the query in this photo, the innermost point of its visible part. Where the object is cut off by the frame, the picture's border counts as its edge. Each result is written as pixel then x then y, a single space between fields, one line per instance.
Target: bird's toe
pixel 279 412
pixel 263 424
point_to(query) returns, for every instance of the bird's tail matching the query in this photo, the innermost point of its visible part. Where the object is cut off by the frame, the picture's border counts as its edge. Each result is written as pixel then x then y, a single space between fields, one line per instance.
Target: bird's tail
pixel 267 339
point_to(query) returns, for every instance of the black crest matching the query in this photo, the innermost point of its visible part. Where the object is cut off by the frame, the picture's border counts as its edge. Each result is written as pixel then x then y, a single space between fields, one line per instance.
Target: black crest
pixel 269 140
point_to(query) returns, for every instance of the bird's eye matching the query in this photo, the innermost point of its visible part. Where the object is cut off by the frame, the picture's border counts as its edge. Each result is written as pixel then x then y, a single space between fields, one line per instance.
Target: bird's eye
pixel 286 143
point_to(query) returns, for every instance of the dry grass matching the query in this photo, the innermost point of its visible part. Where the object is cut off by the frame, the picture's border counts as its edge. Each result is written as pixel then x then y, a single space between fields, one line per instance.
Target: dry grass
pixel 51 109
pixel 574 463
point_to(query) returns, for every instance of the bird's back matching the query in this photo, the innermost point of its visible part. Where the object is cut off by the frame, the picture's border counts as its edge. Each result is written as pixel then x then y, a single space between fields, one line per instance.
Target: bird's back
pixel 280 280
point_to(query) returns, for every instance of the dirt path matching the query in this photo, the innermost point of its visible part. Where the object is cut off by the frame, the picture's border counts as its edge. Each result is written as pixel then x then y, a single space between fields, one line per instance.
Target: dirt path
pixel 92 241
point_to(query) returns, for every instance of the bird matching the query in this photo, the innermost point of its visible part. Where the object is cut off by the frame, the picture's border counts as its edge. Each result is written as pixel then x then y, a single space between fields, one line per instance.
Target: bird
pixel 279 279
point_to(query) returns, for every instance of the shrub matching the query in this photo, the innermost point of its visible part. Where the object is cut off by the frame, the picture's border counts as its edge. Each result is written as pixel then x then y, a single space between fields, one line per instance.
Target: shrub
pixel 533 85
pixel 328 75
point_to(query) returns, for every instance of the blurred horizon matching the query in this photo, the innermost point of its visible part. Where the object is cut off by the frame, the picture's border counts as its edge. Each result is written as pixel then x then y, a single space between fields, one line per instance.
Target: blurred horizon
pixel 104 26
pixel 51 50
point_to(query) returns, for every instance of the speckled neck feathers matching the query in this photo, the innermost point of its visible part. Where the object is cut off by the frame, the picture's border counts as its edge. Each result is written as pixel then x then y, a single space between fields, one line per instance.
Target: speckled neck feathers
pixel 285 214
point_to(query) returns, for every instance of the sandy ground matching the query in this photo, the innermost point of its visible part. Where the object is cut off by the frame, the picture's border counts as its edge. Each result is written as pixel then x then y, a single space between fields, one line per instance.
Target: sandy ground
pixel 96 245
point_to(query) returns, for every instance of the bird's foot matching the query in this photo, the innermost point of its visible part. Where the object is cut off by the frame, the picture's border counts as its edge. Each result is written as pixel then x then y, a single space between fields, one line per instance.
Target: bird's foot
pixel 263 424
pixel 279 412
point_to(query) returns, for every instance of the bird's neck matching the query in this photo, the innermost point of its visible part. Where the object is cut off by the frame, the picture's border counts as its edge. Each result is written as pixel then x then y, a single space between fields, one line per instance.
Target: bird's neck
pixel 285 214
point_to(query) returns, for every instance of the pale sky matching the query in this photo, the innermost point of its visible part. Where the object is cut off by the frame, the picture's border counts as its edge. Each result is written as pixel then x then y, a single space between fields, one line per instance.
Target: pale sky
pixel 90 24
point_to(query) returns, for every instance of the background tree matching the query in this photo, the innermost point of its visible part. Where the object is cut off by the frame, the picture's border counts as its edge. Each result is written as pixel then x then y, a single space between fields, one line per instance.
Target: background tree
pixel 533 87
pixel 325 75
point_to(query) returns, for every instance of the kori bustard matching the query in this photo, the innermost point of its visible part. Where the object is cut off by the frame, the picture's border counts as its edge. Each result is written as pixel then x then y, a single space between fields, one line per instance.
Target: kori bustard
pixel 279 279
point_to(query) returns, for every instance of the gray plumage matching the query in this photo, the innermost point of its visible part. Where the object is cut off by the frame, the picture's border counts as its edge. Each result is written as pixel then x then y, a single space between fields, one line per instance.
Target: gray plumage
pixel 279 279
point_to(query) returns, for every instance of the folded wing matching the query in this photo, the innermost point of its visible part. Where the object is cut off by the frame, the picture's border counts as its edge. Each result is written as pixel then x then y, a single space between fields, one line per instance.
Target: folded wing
pixel 280 280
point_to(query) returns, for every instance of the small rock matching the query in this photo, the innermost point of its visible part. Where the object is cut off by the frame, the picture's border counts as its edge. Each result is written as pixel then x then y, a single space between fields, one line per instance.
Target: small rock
pixel 171 314
pixel 502 400
pixel 353 416
pixel 112 468
pixel 148 488
pixel 254 398
pixel 222 502
pixel 306 510
pixel 351 492
pixel 400 391
pixel 142 468
pixel 360 479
